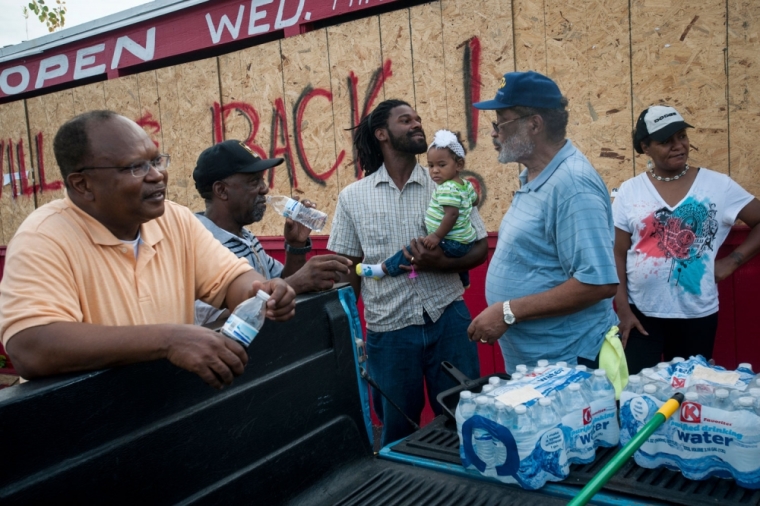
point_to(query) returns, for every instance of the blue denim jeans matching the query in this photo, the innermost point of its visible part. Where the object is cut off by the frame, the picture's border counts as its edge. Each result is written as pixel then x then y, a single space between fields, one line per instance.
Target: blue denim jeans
pixel 400 360
pixel 451 249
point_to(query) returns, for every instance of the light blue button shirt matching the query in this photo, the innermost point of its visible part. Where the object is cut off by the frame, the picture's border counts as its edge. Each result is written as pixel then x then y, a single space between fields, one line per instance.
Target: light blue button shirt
pixel 558 226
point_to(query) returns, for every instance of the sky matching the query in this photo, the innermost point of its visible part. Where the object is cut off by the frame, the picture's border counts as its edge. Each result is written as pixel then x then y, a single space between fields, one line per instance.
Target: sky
pixel 14 29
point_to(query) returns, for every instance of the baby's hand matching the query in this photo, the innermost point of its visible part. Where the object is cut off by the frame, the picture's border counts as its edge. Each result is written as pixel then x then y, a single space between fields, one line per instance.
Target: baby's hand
pixel 431 241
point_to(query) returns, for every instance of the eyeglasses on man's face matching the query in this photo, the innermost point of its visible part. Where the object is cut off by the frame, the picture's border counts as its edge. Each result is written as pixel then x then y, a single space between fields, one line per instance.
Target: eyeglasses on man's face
pixel 160 163
pixel 497 126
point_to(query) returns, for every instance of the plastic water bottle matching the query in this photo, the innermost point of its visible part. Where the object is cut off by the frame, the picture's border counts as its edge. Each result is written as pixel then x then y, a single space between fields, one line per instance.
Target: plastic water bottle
pixel 601 388
pixel 545 415
pixel 646 375
pixel 573 399
pixel 524 431
pixel 755 394
pixel 746 403
pixel 484 447
pixel 290 208
pixel 635 385
pixel 651 389
pixel 247 319
pixel 745 365
pixel 504 419
pixel 465 409
pixel 723 400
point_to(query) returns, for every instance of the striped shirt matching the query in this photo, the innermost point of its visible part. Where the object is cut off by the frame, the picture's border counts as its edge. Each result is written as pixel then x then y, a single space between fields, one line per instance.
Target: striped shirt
pixel 462 196
pixel 373 220
pixel 247 247
pixel 558 226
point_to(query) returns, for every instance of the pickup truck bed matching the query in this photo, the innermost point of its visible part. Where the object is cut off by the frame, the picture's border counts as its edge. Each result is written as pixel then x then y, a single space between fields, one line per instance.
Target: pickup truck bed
pixel 294 429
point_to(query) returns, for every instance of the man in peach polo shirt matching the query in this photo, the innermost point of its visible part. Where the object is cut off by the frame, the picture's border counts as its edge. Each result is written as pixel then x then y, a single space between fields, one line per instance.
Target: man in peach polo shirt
pixel 109 274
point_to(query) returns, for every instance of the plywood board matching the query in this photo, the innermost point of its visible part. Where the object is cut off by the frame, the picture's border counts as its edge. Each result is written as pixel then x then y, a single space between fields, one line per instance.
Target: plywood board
pixel 47 113
pixel 357 76
pixel 567 62
pixel 188 93
pixel 170 119
pixel 427 58
pixel 744 84
pixel 306 73
pixel 588 57
pixel 122 95
pixel 477 41
pixel 530 35
pixel 678 59
pixel 396 47
pixel 90 97
pixel 150 106
pixel 17 199
pixel 248 100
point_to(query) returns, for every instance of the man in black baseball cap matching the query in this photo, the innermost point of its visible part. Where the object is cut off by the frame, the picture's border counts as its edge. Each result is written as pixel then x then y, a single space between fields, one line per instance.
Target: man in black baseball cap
pixel 232 181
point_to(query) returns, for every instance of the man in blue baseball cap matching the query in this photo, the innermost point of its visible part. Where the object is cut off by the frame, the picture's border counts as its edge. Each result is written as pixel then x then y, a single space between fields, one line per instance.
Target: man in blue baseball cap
pixel 552 277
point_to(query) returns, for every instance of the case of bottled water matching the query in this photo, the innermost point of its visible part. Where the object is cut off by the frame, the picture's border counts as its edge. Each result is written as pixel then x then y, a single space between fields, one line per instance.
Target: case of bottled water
pixel 716 432
pixel 542 420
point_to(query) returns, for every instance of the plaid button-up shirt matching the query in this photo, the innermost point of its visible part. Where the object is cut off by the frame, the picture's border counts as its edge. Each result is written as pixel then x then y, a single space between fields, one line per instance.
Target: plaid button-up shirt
pixel 373 220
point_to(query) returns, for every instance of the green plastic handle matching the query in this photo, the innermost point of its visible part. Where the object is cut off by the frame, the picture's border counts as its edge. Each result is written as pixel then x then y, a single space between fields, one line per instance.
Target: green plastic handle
pixel 598 481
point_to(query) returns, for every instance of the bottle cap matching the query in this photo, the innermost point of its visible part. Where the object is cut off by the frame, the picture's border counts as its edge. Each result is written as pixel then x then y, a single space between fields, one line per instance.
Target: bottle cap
pixel 634 379
pixel 691 396
pixel 261 294
pixel 580 368
pixel 676 360
pixel 542 363
pixel 650 388
pixel 465 394
pixel 647 371
pixel 521 368
pixel 561 363
pixel 745 365
pixel 521 409
pixel 545 401
pixel 754 392
pixel 574 386
pixel 518 376
pixel 481 400
pixel 500 405
pixel 494 380
pixel 486 389
pixel 722 393
pixel 600 372
pixel 746 401
pixel 663 365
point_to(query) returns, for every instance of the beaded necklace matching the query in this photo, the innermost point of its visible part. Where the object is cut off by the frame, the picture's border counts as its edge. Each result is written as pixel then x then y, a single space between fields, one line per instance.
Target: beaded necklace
pixel 668 179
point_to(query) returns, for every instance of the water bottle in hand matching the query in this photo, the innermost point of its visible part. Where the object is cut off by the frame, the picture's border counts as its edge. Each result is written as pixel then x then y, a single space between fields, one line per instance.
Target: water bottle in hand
pixel 245 322
pixel 290 208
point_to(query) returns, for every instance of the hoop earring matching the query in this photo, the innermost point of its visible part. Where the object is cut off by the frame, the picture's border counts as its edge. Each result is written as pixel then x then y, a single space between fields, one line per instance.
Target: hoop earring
pixel 649 165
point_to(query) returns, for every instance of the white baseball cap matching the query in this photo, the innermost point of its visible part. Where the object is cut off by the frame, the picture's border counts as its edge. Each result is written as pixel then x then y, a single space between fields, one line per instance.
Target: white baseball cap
pixel 659 122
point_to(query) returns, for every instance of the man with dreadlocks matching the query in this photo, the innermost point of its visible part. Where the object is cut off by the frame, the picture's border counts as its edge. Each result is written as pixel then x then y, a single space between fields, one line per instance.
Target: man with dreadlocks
pixel 412 324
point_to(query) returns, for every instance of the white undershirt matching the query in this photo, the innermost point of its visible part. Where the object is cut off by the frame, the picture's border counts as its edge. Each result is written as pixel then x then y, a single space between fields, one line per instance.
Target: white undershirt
pixel 135 243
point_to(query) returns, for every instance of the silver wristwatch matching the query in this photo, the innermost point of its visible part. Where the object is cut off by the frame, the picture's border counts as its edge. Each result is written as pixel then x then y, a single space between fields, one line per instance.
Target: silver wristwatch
pixel 509 316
